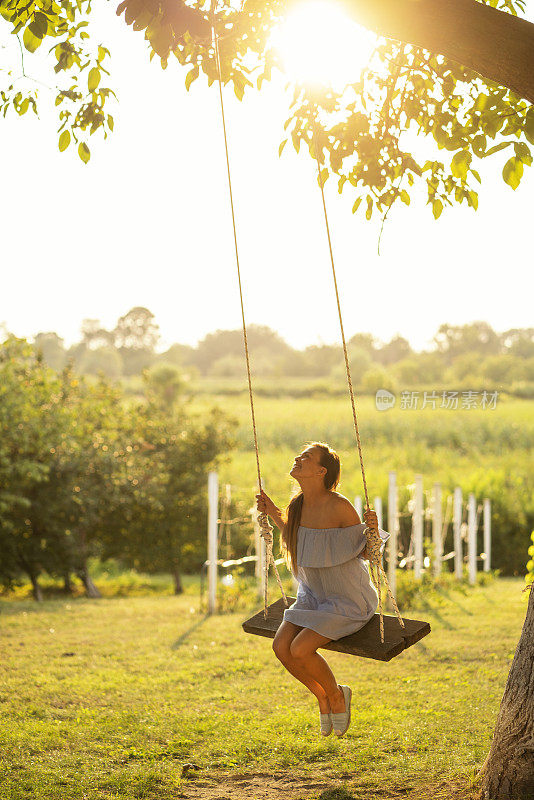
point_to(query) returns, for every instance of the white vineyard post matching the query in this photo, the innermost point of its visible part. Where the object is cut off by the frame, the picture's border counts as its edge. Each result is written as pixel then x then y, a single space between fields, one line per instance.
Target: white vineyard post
pixel 392 529
pixel 457 530
pixel 378 509
pixel 487 534
pixel 472 538
pixel 418 527
pixel 437 522
pixel 213 515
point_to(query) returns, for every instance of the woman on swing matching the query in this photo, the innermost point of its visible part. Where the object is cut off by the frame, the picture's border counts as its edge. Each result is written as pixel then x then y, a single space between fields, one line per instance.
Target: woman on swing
pixel 323 541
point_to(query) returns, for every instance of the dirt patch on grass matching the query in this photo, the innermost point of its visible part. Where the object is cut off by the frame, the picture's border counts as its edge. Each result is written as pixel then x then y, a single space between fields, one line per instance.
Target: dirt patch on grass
pixel 283 786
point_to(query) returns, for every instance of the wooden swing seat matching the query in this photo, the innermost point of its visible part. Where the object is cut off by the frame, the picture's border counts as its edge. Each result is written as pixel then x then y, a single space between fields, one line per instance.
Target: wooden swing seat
pixel 365 642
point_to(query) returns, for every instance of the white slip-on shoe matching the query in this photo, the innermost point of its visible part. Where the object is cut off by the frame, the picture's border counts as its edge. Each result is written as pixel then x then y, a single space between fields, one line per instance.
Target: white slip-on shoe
pixel 341 721
pixel 326 724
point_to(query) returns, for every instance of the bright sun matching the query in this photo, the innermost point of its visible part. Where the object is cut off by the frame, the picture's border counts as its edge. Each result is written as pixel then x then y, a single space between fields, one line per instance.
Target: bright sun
pixel 321 46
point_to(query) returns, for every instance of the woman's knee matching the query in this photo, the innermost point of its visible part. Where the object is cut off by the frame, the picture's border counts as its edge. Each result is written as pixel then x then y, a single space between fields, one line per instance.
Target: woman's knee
pixel 281 649
pixel 300 651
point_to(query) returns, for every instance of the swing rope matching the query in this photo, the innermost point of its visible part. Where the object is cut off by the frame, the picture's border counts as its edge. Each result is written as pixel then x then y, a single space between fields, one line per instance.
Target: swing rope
pixel 374 541
pixel 266 529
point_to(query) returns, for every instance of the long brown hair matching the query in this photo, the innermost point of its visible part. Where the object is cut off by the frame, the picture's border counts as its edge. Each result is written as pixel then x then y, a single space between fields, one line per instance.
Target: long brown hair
pixel 288 535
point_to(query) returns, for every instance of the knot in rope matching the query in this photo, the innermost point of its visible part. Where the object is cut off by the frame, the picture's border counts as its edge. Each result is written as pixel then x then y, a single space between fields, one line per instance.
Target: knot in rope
pixel 266 529
pixel 374 552
pixel 266 532
pixel 374 545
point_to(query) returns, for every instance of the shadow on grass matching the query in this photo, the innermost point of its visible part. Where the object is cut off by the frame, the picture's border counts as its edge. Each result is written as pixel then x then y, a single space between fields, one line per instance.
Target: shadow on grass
pixel 448 594
pixel 186 634
pixel 430 611
pixel 337 794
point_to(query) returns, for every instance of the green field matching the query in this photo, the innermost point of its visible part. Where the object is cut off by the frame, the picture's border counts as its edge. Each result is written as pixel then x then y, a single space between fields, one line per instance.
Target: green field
pixel 112 698
pixel 485 451
pixel 443 444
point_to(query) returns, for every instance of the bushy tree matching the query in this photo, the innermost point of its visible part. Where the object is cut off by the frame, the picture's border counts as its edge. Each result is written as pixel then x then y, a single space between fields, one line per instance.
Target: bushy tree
pixel 392 352
pixel 52 349
pixel 474 337
pixel 82 473
pixel 165 383
pixel 159 512
pixel 519 342
pixel 224 343
pixel 377 378
pixel 181 355
pixel 103 359
pixel 503 370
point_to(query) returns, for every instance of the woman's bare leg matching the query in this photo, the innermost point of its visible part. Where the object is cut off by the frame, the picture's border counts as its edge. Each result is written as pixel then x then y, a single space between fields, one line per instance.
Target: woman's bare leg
pixel 282 647
pixel 303 650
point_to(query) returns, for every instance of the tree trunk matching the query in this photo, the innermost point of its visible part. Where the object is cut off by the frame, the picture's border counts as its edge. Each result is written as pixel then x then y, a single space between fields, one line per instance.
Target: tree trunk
pixel 67 585
pixel 90 588
pixel 178 587
pixel 82 571
pixel 37 591
pixel 493 43
pixel 33 575
pixel 508 772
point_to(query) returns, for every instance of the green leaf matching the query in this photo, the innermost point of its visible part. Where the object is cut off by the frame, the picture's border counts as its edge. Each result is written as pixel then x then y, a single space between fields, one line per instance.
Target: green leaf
pixel 496 148
pixel 191 76
pixel 481 102
pixel 522 152
pixel 94 79
pixel 529 125
pixel 369 210
pixel 437 208
pixel 64 141
pixel 84 152
pixel 356 205
pixel 473 199
pixel 513 172
pixel 460 164
pixel 281 147
pixel 31 42
pixel 479 144
pixel 39 25
pixel 405 197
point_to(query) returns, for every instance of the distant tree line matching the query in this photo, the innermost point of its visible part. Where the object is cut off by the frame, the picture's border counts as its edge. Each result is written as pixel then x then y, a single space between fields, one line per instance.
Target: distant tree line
pixel 85 472
pixel 471 352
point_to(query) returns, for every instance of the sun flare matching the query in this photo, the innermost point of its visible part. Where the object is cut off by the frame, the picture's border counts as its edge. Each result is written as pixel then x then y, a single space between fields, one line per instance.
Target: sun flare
pixel 321 46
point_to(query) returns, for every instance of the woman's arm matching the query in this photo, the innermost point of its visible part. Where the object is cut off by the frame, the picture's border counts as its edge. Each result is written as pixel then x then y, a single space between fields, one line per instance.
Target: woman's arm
pixel 265 505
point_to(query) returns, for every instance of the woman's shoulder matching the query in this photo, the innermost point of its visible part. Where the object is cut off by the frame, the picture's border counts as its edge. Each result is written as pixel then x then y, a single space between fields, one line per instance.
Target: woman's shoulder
pixel 345 511
pixel 340 513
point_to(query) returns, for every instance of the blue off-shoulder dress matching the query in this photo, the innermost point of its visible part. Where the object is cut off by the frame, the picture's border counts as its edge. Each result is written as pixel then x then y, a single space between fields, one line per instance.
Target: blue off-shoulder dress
pixel 335 595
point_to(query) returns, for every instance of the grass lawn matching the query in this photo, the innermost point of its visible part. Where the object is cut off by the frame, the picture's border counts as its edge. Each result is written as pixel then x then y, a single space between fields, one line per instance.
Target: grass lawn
pixel 112 698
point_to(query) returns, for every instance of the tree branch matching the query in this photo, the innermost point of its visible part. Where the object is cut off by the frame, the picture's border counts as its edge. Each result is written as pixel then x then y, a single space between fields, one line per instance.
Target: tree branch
pixel 497 45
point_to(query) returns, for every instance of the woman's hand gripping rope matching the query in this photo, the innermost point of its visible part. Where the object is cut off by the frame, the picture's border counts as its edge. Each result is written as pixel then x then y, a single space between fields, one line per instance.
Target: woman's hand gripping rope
pixel 265 504
pixel 374 553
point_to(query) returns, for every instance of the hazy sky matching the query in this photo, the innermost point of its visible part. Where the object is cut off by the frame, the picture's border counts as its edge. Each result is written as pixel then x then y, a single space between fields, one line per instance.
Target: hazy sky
pixel 147 223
